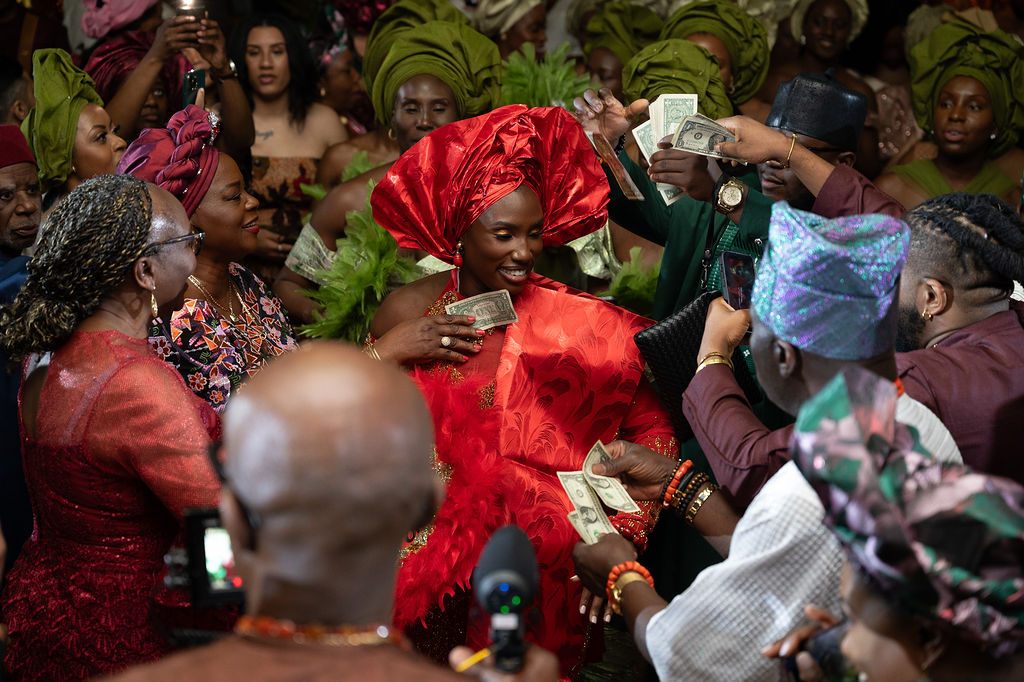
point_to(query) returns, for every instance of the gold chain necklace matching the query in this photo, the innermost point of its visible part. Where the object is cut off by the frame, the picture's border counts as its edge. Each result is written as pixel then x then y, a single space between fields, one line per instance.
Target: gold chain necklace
pixel 337 635
pixel 232 292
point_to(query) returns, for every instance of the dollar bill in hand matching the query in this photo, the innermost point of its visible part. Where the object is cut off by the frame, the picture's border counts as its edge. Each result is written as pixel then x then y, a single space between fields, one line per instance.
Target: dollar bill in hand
pixel 609 489
pixel 699 135
pixel 491 309
pixel 674 108
pixel 590 521
pixel 309 256
pixel 646 140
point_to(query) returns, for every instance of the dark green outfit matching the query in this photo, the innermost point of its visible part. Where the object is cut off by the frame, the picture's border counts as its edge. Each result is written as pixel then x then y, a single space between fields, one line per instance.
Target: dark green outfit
pixel 924 173
pixel 682 229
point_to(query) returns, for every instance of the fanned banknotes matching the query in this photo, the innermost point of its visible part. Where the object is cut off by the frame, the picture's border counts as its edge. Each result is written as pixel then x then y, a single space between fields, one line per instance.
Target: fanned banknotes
pixel 587 490
pixel 666 113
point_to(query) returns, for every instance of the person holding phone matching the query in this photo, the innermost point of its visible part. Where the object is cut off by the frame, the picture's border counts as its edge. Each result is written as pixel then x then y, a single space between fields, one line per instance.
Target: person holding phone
pixel 140 74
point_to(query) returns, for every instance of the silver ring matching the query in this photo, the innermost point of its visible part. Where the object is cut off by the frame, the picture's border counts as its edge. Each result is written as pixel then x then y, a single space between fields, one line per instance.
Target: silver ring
pixel 279 249
pixel 446 341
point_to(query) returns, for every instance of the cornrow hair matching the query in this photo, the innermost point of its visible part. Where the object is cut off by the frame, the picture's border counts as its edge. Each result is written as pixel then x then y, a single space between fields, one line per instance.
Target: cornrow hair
pixel 86 249
pixel 980 234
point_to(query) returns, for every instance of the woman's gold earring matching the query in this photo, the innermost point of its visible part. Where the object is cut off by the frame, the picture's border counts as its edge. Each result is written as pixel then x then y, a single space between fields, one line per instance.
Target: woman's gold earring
pixel 323 91
pixel 154 308
pixel 391 134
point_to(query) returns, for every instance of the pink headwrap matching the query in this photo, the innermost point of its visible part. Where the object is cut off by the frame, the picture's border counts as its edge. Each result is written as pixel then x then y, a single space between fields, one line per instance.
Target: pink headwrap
pixel 100 18
pixel 180 158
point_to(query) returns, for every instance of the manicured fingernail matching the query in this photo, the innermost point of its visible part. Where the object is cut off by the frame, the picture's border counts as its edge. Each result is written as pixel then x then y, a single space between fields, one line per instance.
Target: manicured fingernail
pixel 477 346
pixel 784 651
pixel 464 358
pixel 583 608
pixel 472 319
pixel 607 617
pixel 765 648
pixel 480 332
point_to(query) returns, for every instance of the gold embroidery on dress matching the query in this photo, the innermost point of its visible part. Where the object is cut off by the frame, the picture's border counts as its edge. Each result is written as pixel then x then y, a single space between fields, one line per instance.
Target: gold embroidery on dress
pixel 419 541
pixel 487 395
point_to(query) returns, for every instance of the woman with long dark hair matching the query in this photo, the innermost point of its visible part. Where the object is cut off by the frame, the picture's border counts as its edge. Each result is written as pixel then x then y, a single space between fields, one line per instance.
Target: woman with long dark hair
pixel 277 72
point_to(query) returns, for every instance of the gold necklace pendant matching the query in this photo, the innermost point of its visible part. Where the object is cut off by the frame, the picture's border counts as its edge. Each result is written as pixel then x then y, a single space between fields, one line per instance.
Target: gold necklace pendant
pixel 210 299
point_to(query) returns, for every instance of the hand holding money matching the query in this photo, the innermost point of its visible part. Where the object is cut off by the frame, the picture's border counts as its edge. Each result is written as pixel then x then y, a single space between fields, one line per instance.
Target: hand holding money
pixel 491 309
pixel 685 170
pixel 602 112
pixel 642 472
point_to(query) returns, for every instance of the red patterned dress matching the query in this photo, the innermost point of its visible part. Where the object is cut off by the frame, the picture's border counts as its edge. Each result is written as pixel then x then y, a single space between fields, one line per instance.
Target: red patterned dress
pixel 530 404
pixel 215 355
pixel 119 451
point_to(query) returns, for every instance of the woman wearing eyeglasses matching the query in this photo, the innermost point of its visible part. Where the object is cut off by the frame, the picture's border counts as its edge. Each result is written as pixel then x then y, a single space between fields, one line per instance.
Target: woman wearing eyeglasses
pixel 230 324
pixel 114 444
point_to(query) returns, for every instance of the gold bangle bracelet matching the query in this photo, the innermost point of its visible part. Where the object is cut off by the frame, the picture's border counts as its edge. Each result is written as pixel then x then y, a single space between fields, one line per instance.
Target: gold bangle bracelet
pixel 792 145
pixel 626 578
pixel 714 361
pixel 371 351
pixel 714 354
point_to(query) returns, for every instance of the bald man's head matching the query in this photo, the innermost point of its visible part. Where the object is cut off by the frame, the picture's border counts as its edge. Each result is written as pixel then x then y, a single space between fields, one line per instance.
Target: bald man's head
pixel 330 449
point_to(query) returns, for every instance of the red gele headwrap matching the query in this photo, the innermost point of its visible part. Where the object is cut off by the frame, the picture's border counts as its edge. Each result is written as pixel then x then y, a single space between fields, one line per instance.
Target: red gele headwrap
pixel 435 191
pixel 180 158
pixel 13 147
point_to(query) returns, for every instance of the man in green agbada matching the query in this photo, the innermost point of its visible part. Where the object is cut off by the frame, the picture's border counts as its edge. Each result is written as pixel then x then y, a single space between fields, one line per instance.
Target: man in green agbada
pixel 403 16
pixel 62 90
pixel 744 62
pixel 458 56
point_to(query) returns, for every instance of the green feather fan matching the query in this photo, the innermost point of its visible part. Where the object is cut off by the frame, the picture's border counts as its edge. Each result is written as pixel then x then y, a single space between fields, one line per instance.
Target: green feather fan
pixel 366 267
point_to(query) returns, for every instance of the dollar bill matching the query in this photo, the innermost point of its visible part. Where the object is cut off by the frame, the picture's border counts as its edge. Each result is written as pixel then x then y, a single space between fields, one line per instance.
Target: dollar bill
pixel 656 115
pixel 674 109
pixel 607 154
pixel 309 256
pixel 644 134
pixel 492 309
pixel 607 488
pixel 646 139
pixel 590 533
pixel 699 135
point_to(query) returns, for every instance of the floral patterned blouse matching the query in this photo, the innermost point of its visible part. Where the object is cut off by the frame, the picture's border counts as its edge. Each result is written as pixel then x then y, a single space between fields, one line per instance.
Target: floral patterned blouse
pixel 215 355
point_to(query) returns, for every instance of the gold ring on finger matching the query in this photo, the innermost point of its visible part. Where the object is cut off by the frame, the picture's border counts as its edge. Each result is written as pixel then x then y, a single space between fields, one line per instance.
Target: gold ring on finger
pixel 446 341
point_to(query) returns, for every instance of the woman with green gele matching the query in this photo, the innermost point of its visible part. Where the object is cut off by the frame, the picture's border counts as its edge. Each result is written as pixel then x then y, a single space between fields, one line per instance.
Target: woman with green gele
pixel 966 86
pixel 614 33
pixel 69 131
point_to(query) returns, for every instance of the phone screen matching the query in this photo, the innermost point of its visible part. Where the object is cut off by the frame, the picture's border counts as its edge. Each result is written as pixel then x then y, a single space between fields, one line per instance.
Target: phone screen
pixel 220 561
pixel 191 83
pixel 737 278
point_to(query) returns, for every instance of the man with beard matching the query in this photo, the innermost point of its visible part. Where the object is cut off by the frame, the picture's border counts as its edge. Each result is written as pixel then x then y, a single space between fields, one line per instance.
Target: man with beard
pixel 20 206
pixel 964 334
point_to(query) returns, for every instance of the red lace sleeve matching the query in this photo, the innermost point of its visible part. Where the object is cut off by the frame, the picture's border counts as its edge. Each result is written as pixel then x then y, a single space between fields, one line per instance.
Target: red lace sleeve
pixel 647 424
pixel 146 421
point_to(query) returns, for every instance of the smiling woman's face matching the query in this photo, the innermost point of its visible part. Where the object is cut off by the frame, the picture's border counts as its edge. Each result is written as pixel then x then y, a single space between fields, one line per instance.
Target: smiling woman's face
pixel 501 246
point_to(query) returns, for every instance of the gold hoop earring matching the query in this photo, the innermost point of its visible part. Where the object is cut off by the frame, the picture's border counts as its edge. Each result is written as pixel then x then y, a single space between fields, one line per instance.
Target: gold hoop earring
pixel 323 91
pixel 154 308
pixel 391 134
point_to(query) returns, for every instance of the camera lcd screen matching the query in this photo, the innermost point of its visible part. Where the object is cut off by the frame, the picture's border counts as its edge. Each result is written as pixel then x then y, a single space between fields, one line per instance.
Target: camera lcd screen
pixel 737 278
pixel 220 562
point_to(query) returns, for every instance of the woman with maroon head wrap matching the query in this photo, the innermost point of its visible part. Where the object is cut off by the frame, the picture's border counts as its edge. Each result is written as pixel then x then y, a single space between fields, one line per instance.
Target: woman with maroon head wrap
pixel 231 324
pixel 516 403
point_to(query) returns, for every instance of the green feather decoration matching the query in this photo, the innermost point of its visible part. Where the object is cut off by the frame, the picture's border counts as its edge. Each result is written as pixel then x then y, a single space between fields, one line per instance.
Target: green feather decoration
pixel 359 164
pixel 633 286
pixel 550 83
pixel 366 267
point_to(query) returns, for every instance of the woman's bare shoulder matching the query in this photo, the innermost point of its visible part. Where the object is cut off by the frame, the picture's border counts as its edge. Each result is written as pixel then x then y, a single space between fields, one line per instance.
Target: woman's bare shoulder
pixel 408 302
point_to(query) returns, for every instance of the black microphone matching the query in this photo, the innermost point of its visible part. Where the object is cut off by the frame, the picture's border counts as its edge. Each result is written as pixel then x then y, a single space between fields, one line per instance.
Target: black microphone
pixel 505 582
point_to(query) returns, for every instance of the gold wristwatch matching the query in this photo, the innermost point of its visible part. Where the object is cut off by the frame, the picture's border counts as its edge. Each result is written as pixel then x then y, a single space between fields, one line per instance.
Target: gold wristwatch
pixel 728 194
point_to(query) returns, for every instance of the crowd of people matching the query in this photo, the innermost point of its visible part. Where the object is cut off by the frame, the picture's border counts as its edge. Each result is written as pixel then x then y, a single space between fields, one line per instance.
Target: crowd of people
pixel 364 281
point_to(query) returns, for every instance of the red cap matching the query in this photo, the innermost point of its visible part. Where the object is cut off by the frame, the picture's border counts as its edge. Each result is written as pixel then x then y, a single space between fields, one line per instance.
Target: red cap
pixel 13 147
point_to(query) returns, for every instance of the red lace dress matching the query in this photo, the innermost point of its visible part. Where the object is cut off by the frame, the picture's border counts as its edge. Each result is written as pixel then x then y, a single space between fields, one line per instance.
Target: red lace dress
pixel 119 452
pixel 530 404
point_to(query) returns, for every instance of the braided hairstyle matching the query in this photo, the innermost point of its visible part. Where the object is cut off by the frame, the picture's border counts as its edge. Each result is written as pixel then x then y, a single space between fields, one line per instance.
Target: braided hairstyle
pixel 976 239
pixel 86 250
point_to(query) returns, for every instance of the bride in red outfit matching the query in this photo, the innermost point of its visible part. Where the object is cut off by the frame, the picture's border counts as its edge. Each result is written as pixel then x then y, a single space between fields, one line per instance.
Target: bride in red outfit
pixel 513 405
pixel 114 443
